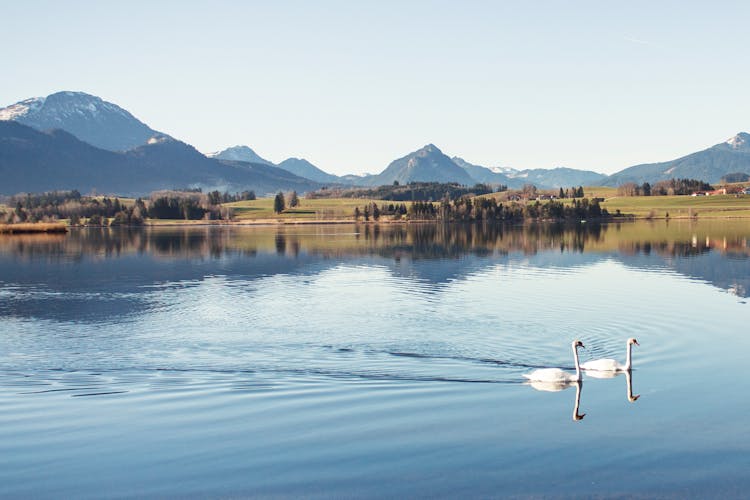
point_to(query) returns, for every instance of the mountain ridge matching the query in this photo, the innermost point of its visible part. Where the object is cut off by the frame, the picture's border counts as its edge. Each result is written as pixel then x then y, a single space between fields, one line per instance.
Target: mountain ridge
pixel 709 165
pixel 90 118
pixel 33 161
pixel 108 127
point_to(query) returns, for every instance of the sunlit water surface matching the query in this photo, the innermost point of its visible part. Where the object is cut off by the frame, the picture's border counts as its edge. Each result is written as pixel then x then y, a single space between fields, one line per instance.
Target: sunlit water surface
pixel 343 361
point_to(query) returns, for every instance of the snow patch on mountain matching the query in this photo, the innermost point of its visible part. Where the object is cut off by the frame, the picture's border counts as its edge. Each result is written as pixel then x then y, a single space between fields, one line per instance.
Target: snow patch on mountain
pixel 22 108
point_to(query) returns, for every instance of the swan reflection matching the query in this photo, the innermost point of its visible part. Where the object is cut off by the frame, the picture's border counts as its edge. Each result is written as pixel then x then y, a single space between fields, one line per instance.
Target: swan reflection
pixel 629 382
pixel 560 386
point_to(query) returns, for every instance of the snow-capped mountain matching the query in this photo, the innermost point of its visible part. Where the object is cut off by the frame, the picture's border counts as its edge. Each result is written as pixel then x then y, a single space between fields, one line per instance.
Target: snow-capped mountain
pixel 89 118
pixel 541 177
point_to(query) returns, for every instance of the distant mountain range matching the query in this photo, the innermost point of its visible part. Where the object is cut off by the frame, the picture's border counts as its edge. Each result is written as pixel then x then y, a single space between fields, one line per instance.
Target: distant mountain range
pixel 34 161
pixel 297 166
pixel 75 140
pixel 709 165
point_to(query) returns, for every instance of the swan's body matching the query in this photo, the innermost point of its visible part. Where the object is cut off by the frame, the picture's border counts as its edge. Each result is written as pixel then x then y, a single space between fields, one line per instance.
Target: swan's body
pixel 610 365
pixel 556 375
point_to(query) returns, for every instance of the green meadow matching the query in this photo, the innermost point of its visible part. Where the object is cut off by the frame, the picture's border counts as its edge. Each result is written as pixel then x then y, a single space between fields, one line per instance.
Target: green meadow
pixel 726 206
pixel 309 210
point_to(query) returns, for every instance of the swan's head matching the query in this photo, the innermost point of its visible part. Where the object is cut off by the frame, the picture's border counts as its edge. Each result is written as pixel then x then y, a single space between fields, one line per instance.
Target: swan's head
pixel 577 344
pixel 578 416
pixel 633 399
pixel 632 341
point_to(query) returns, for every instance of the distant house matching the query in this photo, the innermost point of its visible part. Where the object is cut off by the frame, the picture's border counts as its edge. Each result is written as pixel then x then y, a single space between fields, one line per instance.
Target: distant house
pixel 746 190
pixel 710 193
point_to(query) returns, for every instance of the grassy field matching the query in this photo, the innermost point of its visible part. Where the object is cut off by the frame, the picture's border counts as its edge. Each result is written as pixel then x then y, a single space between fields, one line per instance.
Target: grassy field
pixel 725 206
pixel 310 210
pixel 680 206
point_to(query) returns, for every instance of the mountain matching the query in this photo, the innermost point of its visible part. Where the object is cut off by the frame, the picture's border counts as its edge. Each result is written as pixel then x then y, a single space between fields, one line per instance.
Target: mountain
pixel 428 164
pixel 33 161
pixel 554 178
pixel 239 153
pixel 486 175
pixel 709 165
pixel 89 118
pixel 541 177
pixel 305 169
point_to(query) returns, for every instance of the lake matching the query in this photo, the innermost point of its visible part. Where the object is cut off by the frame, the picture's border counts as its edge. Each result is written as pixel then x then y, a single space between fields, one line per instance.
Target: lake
pixel 374 361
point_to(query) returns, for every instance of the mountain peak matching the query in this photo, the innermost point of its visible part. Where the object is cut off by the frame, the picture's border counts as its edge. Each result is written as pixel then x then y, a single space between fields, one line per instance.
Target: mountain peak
pixel 741 141
pixel 303 168
pixel 88 117
pixel 429 149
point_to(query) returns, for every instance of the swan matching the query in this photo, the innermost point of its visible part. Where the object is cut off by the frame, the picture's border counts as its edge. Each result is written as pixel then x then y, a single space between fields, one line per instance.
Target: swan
pixel 556 375
pixel 611 365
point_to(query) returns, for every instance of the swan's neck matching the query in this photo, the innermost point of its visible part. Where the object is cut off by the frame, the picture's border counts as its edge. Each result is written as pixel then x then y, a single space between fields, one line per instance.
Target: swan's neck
pixel 628 361
pixel 578 365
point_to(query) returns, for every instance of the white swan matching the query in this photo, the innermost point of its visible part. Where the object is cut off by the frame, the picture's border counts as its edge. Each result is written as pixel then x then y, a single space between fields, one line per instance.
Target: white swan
pixel 611 365
pixel 556 375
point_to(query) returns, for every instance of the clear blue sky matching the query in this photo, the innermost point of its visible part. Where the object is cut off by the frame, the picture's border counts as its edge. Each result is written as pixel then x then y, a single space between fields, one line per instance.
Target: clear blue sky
pixel 352 85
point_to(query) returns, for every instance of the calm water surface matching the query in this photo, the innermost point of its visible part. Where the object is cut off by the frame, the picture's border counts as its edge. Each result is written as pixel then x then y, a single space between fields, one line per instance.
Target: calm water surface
pixel 354 361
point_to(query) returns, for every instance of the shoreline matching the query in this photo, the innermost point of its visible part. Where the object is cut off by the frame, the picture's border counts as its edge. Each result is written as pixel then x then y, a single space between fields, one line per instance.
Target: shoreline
pixel 62 228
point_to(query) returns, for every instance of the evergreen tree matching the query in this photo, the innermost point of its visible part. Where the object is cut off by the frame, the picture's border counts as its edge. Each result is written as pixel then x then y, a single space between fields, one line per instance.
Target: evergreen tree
pixel 278 203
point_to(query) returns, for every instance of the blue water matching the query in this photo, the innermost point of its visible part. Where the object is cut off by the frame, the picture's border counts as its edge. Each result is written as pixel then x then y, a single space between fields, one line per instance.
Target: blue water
pixel 352 361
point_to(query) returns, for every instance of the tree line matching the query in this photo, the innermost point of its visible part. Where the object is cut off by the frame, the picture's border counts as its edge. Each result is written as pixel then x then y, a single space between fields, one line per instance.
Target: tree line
pixel 413 191
pixel 103 210
pixel 484 209
pixel 669 187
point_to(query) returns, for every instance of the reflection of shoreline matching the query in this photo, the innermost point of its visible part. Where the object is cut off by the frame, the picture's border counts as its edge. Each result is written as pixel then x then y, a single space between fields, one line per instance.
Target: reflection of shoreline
pixel 717 254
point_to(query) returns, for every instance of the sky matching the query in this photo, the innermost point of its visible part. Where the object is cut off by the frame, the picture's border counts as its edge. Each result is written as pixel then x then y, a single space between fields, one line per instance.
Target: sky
pixel 352 85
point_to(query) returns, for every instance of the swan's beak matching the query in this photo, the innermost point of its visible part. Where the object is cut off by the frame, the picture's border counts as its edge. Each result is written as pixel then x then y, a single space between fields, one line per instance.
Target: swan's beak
pixel 636 342
pixel 633 399
pixel 579 417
